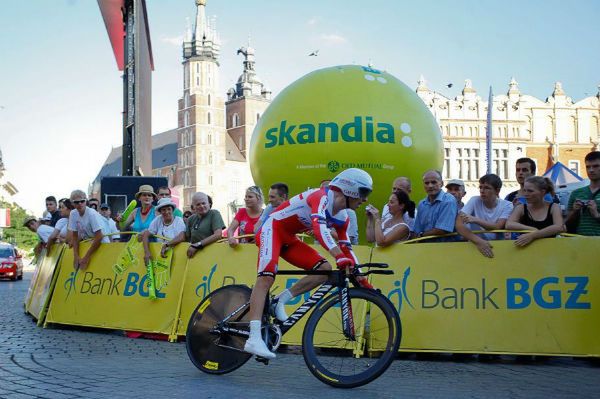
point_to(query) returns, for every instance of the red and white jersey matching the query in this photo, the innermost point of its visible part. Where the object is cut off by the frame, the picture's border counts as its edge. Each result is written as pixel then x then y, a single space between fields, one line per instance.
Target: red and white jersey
pixel 312 210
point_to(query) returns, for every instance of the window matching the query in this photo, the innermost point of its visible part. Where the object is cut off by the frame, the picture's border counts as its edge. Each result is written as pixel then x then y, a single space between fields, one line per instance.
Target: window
pixel 186 118
pixel 209 100
pixel 197 81
pixel 574 166
pixel 209 138
pixel 446 163
pixel 210 158
pixel 235 120
pixel 208 118
pixel 210 180
pixel 186 178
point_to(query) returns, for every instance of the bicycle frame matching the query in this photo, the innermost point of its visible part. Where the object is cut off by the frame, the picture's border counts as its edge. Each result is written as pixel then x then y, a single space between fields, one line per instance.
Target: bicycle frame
pixel 337 279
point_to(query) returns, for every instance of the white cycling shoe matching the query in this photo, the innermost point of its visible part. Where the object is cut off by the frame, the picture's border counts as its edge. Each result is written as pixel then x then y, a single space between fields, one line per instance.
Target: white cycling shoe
pixel 259 348
pixel 280 313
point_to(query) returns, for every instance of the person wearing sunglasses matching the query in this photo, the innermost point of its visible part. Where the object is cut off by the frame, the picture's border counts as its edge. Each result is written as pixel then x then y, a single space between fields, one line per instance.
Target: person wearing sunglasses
pixel 84 223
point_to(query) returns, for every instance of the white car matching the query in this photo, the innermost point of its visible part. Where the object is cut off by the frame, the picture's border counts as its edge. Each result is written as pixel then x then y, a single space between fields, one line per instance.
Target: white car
pixel 11 264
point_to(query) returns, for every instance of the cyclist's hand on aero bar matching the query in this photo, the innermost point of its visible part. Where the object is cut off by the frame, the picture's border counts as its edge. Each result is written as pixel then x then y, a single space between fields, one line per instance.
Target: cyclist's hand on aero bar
pixel 342 262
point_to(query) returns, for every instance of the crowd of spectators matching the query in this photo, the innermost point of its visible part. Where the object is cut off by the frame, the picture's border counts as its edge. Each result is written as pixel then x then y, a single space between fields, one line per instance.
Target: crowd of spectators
pixel 533 211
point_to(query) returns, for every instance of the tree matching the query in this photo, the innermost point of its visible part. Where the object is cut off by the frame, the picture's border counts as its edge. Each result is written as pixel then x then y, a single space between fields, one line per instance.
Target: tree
pixel 16 233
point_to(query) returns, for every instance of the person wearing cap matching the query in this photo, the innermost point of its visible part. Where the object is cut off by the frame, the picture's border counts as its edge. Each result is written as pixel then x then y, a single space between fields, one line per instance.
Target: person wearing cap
pixel 168 228
pixel 436 213
pixel 85 223
pixel 42 230
pixel 142 216
pixel 111 225
pixel 456 188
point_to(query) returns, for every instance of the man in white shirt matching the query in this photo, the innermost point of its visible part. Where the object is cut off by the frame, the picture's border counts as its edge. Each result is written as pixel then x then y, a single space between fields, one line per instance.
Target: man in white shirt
pixel 85 223
pixel 484 212
pixel 400 184
pixel 42 230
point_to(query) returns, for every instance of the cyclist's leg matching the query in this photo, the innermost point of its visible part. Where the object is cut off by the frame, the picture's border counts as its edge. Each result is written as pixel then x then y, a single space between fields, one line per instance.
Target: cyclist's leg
pixel 305 257
pixel 269 245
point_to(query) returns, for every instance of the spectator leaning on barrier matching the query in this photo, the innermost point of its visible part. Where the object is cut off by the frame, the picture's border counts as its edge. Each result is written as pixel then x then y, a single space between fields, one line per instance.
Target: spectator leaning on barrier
pixel 43 231
pixel 584 202
pixel 278 194
pixel 436 213
pixel 140 219
pixel 484 212
pixel 60 230
pixel 51 207
pixel 166 225
pixel 393 229
pixel 165 192
pixel 543 219
pixel 456 188
pixel 204 227
pixel 246 217
pixel 85 223
pixel 401 184
pixel 111 225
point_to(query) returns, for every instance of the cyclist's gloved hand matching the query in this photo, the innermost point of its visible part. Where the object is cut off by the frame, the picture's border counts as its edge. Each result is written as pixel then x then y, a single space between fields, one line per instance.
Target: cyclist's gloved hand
pixel 364 282
pixel 344 262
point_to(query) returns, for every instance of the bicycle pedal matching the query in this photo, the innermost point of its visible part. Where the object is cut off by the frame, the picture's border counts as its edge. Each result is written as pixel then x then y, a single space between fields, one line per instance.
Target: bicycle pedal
pixel 262 360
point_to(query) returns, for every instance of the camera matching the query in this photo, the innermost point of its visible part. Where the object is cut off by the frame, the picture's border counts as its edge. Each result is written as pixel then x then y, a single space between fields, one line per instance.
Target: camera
pixel 583 204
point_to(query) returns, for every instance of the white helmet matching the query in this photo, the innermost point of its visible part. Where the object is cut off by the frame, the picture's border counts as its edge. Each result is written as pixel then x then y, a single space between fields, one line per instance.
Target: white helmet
pixel 354 183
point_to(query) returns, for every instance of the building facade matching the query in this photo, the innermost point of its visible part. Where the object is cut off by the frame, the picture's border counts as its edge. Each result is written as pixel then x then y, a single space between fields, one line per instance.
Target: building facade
pixel 548 131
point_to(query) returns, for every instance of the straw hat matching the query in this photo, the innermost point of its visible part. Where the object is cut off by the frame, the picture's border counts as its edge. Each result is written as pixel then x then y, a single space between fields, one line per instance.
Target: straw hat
pixel 145 189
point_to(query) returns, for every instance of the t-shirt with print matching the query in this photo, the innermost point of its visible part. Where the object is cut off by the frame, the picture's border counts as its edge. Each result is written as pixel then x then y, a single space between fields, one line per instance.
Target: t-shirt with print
pixel 587 226
pixel 198 228
pixel 475 207
pixel 88 224
pixel 158 227
pixel 246 224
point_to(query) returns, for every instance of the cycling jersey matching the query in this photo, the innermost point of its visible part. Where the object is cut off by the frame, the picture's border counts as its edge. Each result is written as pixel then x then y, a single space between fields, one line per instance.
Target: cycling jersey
pixel 311 210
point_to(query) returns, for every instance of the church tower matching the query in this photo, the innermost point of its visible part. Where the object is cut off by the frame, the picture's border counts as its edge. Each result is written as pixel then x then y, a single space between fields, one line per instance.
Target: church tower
pixel 201 113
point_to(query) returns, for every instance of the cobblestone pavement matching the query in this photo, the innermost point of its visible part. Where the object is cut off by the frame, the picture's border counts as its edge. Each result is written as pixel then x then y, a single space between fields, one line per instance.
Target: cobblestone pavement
pixel 68 363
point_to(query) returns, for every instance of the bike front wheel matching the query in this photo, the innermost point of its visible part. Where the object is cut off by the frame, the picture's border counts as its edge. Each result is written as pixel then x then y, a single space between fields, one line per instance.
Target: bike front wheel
pixel 210 351
pixel 344 363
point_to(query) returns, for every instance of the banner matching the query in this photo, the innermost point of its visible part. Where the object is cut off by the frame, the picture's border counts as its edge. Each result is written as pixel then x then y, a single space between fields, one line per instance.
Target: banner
pixel 112 294
pixel 40 288
pixel 541 299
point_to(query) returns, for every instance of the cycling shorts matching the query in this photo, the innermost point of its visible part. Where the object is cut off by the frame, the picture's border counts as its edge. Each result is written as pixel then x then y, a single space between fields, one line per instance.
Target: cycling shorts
pixel 274 242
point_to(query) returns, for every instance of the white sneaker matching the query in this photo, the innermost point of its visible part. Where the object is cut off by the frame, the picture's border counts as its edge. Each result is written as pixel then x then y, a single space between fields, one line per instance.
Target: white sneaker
pixel 280 313
pixel 259 348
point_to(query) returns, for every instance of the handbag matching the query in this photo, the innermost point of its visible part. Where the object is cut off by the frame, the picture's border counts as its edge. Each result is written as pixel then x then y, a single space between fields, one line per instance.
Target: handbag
pixel 572 224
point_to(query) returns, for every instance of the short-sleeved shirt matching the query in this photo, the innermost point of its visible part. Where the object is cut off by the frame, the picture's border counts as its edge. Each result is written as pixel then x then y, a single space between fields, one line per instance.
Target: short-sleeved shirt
pixel 198 228
pixel 62 226
pixel 475 207
pixel 587 226
pixel 158 227
pixel 87 225
pixel 247 224
pixel 439 214
pixel 44 232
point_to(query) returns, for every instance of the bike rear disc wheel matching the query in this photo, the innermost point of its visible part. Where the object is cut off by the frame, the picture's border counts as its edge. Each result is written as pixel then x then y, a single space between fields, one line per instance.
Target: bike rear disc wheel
pixel 343 363
pixel 209 351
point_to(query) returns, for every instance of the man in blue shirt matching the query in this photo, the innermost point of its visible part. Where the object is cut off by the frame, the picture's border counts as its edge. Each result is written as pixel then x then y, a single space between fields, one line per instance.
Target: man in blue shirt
pixel 437 212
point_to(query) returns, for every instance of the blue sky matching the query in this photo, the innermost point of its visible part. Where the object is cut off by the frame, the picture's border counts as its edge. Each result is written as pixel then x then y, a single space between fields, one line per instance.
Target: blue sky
pixel 60 91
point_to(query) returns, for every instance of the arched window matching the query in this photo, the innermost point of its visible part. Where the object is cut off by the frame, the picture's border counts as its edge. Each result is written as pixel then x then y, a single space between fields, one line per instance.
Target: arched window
pixel 235 120
pixel 186 178
pixel 210 180
pixel 191 139
pixel 186 118
pixel 208 118
pixel 209 100
pixel 209 138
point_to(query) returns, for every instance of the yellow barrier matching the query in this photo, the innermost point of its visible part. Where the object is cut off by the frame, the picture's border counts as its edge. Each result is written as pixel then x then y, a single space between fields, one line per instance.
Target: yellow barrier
pixel 99 297
pixel 40 288
pixel 541 299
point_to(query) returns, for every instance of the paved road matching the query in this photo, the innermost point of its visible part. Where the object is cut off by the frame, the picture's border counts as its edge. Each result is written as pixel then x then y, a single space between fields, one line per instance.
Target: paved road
pixel 67 363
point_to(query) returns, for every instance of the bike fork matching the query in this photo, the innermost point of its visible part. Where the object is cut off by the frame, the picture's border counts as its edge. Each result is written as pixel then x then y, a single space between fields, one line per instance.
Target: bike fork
pixel 347 316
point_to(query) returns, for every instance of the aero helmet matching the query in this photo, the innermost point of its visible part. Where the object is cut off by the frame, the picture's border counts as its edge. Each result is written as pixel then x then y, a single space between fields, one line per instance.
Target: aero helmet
pixel 354 183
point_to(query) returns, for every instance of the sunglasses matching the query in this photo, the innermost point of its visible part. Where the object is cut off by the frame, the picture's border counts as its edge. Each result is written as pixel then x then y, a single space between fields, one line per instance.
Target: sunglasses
pixel 77 202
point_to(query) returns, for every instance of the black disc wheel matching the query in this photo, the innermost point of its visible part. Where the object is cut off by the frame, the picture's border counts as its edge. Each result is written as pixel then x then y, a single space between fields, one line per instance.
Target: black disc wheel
pixel 209 350
pixel 345 363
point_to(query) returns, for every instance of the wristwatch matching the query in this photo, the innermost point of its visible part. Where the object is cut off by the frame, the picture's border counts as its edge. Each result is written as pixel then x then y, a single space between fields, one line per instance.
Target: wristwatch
pixel 198 245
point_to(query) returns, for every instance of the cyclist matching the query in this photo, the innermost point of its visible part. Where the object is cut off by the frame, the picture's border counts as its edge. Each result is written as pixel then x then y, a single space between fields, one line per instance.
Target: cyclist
pixel 317 210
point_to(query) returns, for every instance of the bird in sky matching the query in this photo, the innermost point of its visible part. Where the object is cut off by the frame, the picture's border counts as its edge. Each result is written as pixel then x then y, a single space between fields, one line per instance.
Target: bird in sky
pixel 449 85
pixel 314 53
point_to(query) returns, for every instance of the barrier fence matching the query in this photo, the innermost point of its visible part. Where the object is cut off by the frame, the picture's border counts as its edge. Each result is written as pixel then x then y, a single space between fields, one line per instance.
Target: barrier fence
pixel 541 299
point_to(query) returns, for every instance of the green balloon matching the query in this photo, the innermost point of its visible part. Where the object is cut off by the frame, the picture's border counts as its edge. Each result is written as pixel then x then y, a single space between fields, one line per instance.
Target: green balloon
pixel 344 117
